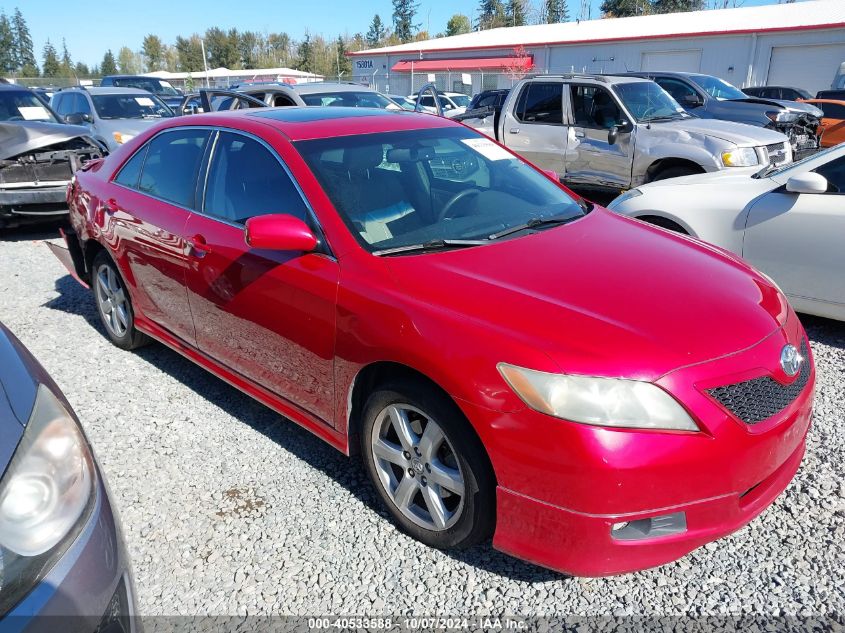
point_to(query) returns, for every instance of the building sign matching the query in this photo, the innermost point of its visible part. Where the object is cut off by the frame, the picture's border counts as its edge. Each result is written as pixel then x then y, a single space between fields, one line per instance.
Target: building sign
pixel 364 64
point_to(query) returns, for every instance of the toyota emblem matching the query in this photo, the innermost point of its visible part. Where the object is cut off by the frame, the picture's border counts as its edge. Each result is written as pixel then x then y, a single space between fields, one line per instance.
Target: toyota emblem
pixel 790 360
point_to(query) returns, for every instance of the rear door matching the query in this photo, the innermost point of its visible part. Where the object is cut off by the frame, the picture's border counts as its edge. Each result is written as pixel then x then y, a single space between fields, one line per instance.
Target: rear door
pixel 535 128
pixel 798 238
pixel 152 197
pixel 592 160
pixel 268 315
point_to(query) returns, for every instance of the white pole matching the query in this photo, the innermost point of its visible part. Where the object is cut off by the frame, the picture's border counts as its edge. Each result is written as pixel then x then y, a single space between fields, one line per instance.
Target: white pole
pixel 204 64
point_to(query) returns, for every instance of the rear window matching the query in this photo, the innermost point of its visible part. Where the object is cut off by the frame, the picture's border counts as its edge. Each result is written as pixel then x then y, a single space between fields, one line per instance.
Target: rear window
pixel 349 100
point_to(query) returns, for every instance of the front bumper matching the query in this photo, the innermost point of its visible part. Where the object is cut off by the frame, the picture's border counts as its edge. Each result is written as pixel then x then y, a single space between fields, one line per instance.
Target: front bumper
pixel 33 202
pixel 563 486
pixel 79 594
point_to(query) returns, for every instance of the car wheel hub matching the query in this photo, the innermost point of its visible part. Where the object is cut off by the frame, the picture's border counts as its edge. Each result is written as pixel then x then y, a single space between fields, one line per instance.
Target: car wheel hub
pixel 417 467
pixel 111 300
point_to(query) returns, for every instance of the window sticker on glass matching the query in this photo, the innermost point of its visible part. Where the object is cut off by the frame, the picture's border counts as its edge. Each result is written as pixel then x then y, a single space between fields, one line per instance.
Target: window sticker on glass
pixel 488 149
pixel 144 101
pixel 33 113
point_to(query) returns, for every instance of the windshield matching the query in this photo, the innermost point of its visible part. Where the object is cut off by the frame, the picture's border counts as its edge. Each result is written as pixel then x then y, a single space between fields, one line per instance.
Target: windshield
pixel 130 106
pixel 414 187
pixel 717 88
pixel 461 101
pixel 646 101
pixel 350 100
pixel 22 105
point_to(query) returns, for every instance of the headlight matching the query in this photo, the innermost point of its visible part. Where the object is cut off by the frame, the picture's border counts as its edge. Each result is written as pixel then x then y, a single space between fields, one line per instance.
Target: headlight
pixel 631 193
pixel 740 157
pixel 598 401
pixel 781 116
pixel 122 138
pixel 44 495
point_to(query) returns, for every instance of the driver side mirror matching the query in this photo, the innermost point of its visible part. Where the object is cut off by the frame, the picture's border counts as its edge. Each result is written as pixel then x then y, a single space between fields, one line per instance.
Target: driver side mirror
pixel 613 133
pixel 692 100
pixel 78 118
pixel 809 182
pixel 279 232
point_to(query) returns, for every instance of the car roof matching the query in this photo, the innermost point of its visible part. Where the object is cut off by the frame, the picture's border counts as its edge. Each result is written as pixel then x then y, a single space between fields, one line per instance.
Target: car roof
pixel 306 123
pixel 14 87
pixel 316 87
pixel 114 90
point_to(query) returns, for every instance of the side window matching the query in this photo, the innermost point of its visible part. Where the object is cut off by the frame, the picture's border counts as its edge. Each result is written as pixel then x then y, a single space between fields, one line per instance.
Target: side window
pixel 834 171
pixel 173 159
pixel 245 179
pixel 60 104
pixel 832 110
pixel 594 107
pixel 541 103
pixel 80 104
pixel 282 100
pixel 131 170
pixel 487 102
pixel 678 89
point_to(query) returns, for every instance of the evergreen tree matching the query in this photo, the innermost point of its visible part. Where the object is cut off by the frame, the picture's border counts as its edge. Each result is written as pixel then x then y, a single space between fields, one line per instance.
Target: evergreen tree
pixel 305 55
pixel 376 33
pixel 342 63
pixel 50 58
pixel 458 24
pixel 491 15
pixel 515 13
pixel 249 49
pixel 66 63
pixel 677 6
pixel 557 11
pixel 108 66
pixel 153 52
pixel 128 62
pixel 625 8
pixel 8 63
pixel 403 19
pixel 189 51
pixel 82 70
pixel 24 50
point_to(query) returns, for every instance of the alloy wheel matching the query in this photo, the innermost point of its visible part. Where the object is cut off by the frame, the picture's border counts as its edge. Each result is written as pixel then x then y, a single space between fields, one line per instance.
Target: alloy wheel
pixel 418 467
pixel 111 300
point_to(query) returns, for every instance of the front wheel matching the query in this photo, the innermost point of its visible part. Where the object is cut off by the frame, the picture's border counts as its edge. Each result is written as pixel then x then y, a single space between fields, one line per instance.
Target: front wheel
pixel 428 466
pixel 114 305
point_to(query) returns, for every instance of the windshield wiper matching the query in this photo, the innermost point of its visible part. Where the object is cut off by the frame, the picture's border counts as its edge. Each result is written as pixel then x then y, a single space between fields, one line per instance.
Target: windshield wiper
pixel 665 117
pixel 433 245
pixel 533 223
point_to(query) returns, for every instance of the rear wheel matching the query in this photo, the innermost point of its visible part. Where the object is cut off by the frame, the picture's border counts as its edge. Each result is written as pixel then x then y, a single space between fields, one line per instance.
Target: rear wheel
pixel 114 305
pixel 428 466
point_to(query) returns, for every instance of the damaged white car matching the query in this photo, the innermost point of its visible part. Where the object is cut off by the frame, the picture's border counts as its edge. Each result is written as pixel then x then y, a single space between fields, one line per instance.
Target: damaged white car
pixel 38 157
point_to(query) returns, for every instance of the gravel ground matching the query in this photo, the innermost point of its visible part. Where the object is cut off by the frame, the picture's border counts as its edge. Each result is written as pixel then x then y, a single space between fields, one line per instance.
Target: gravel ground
pixel 228 509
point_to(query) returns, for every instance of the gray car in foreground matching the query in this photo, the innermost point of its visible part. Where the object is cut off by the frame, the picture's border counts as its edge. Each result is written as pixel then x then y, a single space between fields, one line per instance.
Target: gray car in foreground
pixel 63 563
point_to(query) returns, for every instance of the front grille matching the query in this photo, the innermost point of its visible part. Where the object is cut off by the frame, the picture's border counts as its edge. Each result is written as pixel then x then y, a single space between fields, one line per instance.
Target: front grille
pixel 777 153
pixel 759 399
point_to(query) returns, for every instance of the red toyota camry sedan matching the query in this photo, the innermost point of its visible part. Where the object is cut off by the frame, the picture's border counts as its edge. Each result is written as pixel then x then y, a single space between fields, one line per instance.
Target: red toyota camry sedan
pixel 598 395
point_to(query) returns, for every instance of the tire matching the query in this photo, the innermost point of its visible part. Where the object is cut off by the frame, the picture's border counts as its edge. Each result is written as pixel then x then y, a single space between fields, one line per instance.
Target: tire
pixel 675 172
pixel 409 470
pixel 114 304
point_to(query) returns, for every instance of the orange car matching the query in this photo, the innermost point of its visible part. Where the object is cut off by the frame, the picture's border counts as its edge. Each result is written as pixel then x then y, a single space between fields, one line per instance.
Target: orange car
pixel 832 128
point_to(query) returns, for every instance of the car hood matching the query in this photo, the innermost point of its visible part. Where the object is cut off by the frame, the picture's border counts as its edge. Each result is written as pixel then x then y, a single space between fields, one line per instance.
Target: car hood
pixel 21 137
pixel 725 178
pixel 731 131
pixel 794 106
pixel 603 295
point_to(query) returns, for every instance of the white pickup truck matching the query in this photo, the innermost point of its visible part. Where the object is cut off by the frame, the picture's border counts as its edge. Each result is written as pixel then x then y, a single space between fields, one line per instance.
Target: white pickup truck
pixel 613 133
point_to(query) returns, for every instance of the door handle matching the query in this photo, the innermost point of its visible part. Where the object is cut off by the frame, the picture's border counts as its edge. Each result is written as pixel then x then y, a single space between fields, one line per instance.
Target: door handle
pixel 198 245
pixel 514 130
pixel 579 134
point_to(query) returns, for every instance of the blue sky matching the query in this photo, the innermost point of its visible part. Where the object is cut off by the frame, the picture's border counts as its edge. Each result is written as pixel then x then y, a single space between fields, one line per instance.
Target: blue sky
pixel 90 27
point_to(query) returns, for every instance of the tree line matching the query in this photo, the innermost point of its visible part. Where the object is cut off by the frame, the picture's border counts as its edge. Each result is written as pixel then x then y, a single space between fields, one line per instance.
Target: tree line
pixel 235 49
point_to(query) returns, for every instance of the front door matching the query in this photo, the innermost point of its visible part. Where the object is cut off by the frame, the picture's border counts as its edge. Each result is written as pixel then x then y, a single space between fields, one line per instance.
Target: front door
pixel 148 212
pixel 268 315
pixel 535 129
pixel 592 160
pixel 798 240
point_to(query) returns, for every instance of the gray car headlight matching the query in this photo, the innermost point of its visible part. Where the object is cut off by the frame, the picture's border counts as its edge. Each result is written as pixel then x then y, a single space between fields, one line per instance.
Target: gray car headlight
pixel 631 193
pixel 612 402
pixel 45 494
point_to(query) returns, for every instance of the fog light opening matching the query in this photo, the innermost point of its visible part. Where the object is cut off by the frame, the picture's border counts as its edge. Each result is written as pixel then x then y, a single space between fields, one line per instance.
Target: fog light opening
pixel 649 528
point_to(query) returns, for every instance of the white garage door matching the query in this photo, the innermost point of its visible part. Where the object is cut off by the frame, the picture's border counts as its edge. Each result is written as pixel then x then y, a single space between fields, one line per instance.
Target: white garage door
pixel 688 61
pixel 808 67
